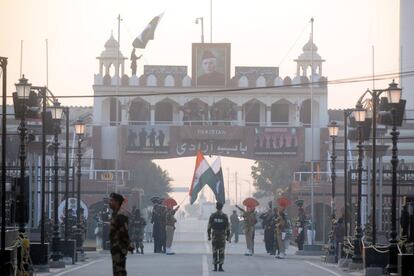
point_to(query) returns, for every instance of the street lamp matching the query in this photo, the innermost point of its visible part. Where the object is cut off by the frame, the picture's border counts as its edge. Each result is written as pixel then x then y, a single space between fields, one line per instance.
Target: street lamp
pixel 23 88
pixel 80 131
pixel 5 254
pixel 56 110
pixel 333 130
pixel 359 115
pixel 347 190
pixel 394 96
pixel 201 20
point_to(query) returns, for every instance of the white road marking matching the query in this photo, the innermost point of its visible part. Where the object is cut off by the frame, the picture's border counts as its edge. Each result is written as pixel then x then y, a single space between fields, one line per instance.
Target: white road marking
pixel 77 268
pixel 205 266
pixel 323 268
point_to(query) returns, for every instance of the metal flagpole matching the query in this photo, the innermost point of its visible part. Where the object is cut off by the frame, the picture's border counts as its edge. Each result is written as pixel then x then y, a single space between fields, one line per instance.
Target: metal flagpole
pixel 312 133
pixel 211 21
pixel 117 103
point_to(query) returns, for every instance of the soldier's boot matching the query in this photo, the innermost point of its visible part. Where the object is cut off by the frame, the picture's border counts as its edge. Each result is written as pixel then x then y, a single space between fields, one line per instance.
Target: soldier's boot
pixel 221 268
pixel 215 268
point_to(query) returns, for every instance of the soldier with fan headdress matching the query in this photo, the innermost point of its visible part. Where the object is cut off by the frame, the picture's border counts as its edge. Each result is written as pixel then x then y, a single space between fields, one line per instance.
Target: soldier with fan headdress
pixel 250 220
pixel 280 227
pixel 170 221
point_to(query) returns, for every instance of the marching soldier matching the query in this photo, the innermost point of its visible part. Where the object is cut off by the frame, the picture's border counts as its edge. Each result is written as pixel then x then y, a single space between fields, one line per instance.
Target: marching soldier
pixel 280 234
pixel 170 228
pixel 118 235
pixel 219 225
pixel 249 223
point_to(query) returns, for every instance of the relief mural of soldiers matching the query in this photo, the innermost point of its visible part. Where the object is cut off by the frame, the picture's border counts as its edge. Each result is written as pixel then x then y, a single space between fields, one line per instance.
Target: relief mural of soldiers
pixel 148 139
pixel 276 141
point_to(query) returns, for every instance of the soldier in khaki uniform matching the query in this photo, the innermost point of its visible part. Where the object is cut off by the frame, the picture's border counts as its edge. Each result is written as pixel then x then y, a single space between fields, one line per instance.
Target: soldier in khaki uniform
pixel 170 228
pixel 250 221
pixel 118 235
pixel 280 232
pixel 219 225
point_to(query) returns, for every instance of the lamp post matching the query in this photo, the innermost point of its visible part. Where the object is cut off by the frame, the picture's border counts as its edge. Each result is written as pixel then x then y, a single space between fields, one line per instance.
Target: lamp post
pixel 359 115
pixel 201 20
pixel 347 188
pixel 23 88
pixel 56 255
pixel 375 97
pixel 5 255
pixel 394 96
pixel 80 131
pixel 333 133
pixel 67 175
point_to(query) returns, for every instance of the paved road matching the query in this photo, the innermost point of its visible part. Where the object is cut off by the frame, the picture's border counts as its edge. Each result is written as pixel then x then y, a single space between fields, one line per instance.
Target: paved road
pixel 193 257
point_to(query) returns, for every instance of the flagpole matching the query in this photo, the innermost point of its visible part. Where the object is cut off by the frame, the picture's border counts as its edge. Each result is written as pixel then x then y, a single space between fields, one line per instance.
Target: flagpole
pixel 211 21
pixel 312 138
pixel 117 103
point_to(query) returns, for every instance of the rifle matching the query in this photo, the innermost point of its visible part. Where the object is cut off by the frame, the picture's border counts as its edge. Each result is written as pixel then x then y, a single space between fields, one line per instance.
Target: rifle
pixel 241 209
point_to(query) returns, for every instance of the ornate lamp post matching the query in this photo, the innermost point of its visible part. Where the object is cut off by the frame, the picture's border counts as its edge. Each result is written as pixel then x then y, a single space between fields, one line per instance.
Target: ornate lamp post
pixel 56 256
pixel 80 131
pixel 333 133
pixel 394 96
pixel 375 98
pixel 5 254
pixel 22 92
pixel 359 115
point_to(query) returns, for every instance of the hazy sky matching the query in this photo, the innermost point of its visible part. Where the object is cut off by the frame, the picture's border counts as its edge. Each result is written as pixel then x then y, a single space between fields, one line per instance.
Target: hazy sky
pixel 262 33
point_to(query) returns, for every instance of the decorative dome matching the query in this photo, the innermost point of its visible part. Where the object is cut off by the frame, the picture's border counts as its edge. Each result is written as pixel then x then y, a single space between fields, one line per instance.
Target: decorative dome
pixel 111 43
pixel 111 49
pixel 309 46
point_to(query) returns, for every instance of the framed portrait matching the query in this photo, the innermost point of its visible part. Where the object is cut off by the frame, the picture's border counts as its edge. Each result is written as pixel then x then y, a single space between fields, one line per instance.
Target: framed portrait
pixel 211 64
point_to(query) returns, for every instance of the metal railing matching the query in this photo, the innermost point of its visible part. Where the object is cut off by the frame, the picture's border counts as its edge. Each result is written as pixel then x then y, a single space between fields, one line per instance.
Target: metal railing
pixel 317 176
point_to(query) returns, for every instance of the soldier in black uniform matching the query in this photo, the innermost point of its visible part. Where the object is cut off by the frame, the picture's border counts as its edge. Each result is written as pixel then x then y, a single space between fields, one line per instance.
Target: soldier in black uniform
pixel 268 225
pixel 138 226
pixel 118 236
pixel 158 221
pixel 219 224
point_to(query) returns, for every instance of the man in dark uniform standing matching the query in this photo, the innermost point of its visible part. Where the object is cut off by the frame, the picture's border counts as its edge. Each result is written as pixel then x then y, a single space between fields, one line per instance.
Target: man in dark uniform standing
pixel 118 235
pixel 235 226
pixel 219 225
pixel 268 225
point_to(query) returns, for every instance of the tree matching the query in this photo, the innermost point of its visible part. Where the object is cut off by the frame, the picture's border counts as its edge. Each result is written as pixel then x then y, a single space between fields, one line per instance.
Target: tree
pixel 269 176
pixel 152 179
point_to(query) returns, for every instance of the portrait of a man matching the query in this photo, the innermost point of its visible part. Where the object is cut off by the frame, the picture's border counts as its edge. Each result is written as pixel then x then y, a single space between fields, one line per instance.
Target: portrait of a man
pixel 210 76
pixel 211 64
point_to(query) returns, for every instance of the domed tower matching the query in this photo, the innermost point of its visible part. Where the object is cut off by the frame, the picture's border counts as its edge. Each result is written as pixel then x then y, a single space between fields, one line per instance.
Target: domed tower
pixel 111 68
pixel 305 60
pixel 111 61
pixel 407 53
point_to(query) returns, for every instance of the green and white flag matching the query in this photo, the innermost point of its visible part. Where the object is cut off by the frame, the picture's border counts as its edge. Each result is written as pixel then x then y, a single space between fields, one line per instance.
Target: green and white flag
pixel 203 174
pixel 218 187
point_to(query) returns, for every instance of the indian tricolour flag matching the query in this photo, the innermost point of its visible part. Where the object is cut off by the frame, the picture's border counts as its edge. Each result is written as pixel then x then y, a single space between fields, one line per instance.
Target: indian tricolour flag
pixel 203 174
